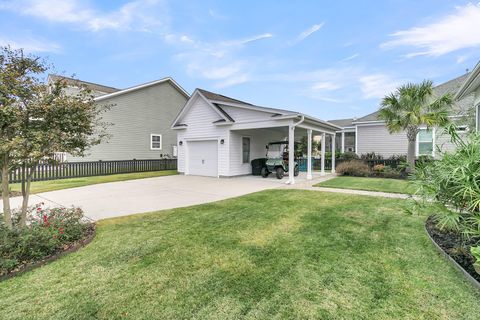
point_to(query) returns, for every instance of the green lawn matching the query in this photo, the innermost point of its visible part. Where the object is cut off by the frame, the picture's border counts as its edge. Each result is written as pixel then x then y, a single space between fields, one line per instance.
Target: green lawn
pixel 51 185
pixel 369 184
pixel 277 254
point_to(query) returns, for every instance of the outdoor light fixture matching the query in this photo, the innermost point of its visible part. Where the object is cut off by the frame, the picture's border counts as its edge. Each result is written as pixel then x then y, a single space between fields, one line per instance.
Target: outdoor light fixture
pixel 180 143
pixel 222 141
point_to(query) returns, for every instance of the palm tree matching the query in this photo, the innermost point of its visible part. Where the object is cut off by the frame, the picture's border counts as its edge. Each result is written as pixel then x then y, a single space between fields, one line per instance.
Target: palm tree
pixel 411 106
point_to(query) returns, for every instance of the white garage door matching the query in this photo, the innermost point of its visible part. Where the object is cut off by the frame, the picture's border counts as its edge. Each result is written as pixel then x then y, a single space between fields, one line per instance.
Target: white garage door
pixel 203 158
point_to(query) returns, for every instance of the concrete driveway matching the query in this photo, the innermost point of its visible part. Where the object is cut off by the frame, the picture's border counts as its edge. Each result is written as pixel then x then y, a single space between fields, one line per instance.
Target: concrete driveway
pixel 135 196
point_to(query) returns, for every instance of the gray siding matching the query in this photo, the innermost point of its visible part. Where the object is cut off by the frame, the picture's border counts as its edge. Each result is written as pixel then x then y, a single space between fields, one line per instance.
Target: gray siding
pixel 376 138
pixel 136 115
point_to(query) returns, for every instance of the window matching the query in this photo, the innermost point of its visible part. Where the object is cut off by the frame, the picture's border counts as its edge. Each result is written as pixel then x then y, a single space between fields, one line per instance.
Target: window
pixel 245 150
pixel 155 142
pixel 462 129
pixel 425 142
pixel 175 151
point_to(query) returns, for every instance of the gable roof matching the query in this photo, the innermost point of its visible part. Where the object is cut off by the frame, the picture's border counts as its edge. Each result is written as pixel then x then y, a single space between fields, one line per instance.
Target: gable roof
pixel 450 86
pixel 343 122
pixel 369 117
pixel 216 101
pixel 145 85
pixel 470 84
pixel 218 97
pixel 76 82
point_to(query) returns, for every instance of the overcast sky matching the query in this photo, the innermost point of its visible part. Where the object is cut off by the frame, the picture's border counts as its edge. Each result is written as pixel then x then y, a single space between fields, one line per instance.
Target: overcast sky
pixel 329 60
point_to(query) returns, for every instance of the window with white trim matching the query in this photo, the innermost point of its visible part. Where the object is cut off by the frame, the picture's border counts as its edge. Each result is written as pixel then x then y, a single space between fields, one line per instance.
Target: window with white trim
pixel 245 150
pixel 155 142
pixel 462 129
pixel 425 142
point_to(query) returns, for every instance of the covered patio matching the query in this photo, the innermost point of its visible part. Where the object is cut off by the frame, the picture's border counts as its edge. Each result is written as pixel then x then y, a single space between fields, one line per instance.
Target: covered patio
pixel 292 129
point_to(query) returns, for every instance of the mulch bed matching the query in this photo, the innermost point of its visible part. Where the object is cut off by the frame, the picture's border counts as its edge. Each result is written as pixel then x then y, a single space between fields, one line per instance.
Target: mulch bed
pixel 68 248
pixel 453 245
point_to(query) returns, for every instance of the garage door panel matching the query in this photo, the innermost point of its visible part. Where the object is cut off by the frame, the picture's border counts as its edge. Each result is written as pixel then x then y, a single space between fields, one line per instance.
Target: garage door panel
pixel 203 158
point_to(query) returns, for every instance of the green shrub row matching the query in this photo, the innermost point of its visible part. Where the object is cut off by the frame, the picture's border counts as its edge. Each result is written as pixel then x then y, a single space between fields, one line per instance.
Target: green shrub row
pixel 359 168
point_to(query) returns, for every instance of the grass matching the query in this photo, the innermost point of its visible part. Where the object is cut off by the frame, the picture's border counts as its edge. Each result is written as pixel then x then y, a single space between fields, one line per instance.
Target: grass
pixel 276 254
pixel 51 185
pixel 369 184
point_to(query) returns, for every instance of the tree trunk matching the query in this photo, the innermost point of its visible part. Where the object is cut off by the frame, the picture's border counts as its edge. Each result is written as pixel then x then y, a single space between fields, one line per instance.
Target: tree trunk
pixel 26 182
pixel 411 155
pixel 7 213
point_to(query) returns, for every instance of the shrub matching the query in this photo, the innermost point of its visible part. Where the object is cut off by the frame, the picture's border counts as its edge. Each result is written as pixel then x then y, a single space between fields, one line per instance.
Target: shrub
pixel 453 184
pixel 475 251
pixel 378 168
pixel 398 157
pixel 371 156
pixel 48 231
pixel 391 172
pixel 353 168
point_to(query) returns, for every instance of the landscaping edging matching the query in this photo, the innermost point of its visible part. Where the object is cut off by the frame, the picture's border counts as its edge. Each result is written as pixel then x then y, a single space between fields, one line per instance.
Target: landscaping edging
pixel 74 247
pixel 467 275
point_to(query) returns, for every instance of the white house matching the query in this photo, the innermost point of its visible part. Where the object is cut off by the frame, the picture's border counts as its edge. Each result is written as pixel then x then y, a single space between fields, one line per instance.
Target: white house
pixel 218 136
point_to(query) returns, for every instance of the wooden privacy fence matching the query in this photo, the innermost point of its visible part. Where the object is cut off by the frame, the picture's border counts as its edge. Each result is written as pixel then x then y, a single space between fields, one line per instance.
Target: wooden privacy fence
pixel 67 170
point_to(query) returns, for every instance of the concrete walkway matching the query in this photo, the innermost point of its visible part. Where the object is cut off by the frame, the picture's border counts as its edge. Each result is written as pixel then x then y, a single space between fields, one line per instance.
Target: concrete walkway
pixel 362 192
pixel 309 185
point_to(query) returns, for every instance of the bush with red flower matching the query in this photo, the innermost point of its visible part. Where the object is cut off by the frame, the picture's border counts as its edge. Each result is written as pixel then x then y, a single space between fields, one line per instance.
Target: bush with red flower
pixel 48 231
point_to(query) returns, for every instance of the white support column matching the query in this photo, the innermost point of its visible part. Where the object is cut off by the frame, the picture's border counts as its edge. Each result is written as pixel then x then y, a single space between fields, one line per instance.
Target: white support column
pixel 291 151
pixel 309 154
pixel 322 167
pixel 333 153
pixel 343 142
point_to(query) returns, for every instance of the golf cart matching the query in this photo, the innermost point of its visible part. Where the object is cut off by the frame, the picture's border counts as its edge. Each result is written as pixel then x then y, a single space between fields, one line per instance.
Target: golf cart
pixel 277 160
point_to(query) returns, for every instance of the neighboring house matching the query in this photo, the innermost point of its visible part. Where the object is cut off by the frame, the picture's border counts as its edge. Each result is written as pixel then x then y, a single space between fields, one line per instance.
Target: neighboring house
pixel 469 87
pixel 140 119
pixel 73 86
pixel 219 136
pixel 370 134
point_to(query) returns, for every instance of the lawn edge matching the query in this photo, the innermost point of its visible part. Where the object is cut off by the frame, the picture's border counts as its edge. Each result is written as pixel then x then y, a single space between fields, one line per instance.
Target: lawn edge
pixel 457 266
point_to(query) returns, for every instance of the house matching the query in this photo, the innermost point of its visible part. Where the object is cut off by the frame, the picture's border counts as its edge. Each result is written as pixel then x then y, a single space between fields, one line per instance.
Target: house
pixel 140 118
pixel 471 86
pixel 73 85
pixel 218 136
pixel 369 134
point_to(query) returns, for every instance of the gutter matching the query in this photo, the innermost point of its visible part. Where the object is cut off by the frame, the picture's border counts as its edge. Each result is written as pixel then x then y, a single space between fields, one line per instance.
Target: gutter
pixel 466 85
pixel 302 119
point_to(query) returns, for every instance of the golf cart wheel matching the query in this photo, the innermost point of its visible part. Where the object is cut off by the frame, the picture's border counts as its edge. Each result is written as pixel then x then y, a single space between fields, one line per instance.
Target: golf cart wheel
pixel 296 171
pixel 280 172
pixel 264 172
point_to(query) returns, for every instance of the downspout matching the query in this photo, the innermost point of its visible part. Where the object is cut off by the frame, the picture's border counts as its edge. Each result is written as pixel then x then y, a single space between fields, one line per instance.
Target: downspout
pixel 302 119
pixel 292 127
